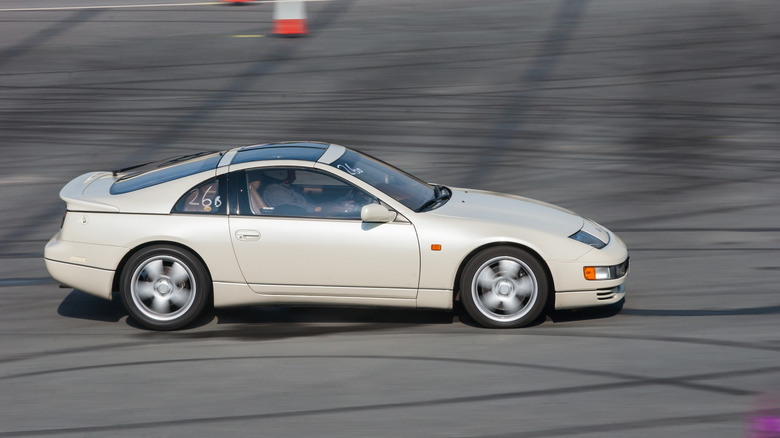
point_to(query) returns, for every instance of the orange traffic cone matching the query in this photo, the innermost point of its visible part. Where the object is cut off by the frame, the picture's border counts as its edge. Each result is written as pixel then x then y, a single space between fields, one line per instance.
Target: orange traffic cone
pixel 290 18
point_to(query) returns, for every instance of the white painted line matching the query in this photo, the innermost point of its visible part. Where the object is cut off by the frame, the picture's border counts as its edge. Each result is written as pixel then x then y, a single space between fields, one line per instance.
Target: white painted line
pixel 157 5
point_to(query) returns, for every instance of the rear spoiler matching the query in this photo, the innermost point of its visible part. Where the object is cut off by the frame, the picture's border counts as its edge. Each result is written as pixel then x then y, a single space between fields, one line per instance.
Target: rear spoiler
pixel 77 199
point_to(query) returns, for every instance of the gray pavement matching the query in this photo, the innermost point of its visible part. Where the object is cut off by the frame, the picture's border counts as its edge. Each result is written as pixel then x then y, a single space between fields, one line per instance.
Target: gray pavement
pixel 658 118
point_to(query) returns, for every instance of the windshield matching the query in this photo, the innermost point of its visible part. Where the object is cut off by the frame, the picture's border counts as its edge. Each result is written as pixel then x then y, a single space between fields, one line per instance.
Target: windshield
pixel 404 188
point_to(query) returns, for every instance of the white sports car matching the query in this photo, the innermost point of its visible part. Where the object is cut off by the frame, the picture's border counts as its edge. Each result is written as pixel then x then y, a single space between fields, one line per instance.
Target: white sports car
pixel 317 223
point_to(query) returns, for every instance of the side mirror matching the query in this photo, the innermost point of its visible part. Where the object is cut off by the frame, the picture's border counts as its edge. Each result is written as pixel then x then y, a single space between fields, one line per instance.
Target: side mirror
pixel 376 213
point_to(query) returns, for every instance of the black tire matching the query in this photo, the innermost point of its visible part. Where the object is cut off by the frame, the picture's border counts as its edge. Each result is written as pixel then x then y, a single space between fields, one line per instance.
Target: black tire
pixel 164 287
pixel 504 287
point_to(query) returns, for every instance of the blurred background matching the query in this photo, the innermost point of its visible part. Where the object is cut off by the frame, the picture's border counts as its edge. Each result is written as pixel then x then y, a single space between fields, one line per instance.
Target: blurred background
pixel 659 119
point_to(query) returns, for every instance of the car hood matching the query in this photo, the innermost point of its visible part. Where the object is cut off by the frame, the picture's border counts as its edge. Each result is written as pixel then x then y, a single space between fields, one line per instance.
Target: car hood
pixel 511 210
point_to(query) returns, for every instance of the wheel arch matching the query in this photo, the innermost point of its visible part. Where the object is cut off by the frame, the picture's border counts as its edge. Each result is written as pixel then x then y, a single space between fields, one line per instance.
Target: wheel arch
pixel 550 304
pixel 121 266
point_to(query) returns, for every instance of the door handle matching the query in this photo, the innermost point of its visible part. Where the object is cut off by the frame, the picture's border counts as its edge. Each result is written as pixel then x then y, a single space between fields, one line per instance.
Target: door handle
pixel 246 235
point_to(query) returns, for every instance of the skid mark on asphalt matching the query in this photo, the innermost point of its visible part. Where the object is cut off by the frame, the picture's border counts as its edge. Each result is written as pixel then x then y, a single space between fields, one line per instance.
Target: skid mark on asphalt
pixel 31 43
pixel 653 423
pixel 47 34
pixel 629 381
pixel 683 381
pixel 9 282
pixel 567 20
pixel 241 82
pixel 768 310
pixel 674 339
pixel 149 5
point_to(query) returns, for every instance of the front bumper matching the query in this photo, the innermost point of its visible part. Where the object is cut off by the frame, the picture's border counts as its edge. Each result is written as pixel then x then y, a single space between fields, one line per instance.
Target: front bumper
pixel 589 298
pixel 573 289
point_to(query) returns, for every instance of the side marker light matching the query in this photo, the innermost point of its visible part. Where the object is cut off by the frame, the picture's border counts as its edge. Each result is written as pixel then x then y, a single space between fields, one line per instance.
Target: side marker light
pixel 435 247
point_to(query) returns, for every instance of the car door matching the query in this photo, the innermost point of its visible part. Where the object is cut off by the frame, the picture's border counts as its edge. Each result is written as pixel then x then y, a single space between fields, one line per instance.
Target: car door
pixel 298 232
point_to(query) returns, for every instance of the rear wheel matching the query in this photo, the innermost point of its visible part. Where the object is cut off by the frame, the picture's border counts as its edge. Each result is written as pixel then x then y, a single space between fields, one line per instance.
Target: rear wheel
pixel 164 287
pixel 503 287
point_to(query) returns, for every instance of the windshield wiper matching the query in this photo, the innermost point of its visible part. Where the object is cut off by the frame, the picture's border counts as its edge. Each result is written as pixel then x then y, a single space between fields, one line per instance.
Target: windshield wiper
pixel 164 163
pixel 440 194
pixel 125 169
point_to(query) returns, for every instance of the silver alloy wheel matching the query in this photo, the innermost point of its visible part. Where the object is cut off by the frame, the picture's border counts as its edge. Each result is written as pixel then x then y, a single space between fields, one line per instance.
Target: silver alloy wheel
pixel 504 289
pixel 163 288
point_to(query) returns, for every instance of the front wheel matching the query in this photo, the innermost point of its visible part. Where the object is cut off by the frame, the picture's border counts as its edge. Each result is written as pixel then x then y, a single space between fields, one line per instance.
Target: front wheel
pixel 164 287
pixel 503 287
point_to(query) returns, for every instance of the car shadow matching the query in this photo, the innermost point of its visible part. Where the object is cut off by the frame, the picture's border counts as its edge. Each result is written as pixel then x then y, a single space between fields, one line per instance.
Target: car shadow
pixel 283 314
pixel 584 314
pixel 81 305
pixel 265 323
pixel 276 321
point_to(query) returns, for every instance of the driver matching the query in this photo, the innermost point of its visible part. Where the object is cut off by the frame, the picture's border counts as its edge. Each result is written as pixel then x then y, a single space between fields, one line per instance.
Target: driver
pixel 280 192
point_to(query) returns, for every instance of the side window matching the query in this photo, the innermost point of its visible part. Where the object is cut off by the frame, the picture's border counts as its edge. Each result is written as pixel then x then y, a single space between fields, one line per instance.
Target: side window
pixel 205 198
pixel 307 193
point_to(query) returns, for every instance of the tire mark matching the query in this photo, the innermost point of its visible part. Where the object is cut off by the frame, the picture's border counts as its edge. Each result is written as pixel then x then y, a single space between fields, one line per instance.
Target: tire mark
pixel 634 382
pixel 77 350
pixel 627 223
pixel 457 48
pixel 768 310
pixel 10 282
pixel 527 332
pixel 741 249
pixel 696 230
pixel 576 430
pixel 242 81
pixel 47 34
pixel 673 339
pixel 565 23
pixel 652 423
pixel 284 51
pixel 683 381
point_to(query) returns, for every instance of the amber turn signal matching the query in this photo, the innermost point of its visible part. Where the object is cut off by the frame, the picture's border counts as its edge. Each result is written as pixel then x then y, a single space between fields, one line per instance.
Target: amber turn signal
pixel 598 272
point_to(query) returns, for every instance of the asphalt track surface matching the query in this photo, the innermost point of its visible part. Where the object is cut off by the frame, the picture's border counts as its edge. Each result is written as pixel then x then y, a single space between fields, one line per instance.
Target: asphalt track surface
pixel 657 118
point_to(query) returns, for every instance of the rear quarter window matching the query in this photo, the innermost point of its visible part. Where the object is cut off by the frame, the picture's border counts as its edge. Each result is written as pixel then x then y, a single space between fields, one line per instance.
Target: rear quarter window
pixel 206 198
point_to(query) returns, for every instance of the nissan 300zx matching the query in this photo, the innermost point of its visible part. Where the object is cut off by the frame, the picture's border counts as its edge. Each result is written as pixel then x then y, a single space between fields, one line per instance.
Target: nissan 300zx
pixel 318 223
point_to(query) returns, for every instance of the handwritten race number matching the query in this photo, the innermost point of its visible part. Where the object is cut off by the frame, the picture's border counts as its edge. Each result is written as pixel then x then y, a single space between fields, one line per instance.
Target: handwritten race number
pixel 349 169
pixel 205 201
